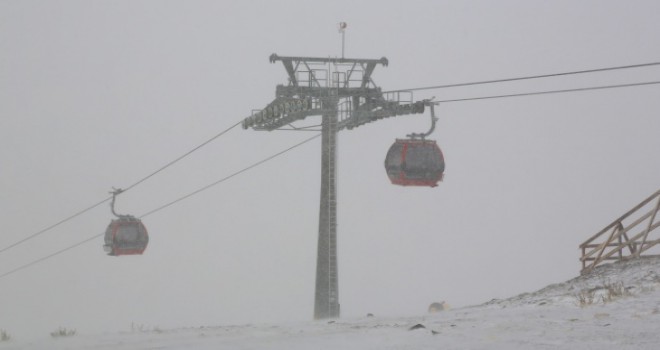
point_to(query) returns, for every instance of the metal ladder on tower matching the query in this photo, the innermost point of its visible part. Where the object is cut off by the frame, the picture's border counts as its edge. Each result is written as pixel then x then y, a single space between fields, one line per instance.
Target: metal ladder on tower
pixel 333 275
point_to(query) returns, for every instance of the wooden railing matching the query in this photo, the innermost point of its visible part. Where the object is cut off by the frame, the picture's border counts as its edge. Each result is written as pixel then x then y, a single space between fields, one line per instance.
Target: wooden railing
pixel 622 240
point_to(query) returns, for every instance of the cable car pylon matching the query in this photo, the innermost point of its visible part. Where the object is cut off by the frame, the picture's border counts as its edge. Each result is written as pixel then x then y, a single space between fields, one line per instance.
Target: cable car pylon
pixel 125 235
pixel 343 93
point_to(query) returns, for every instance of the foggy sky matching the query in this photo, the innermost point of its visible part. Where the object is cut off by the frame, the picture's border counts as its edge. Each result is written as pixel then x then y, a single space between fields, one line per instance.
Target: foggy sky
pixel 96 94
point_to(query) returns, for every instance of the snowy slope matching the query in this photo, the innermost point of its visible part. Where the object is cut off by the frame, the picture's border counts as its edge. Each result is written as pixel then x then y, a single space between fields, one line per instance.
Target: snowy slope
pixel 636 276
pixel 551 318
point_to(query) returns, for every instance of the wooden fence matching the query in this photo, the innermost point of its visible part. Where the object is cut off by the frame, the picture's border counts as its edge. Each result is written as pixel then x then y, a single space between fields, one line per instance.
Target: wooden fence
pixel 627 237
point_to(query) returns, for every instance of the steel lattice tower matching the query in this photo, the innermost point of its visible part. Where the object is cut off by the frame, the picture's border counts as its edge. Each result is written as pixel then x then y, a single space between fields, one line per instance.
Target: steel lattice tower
pixel 343 93
pixel 326 301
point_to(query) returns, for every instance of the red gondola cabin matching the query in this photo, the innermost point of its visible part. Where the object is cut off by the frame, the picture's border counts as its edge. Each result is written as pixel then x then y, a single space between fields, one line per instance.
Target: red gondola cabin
pixel 126 235
pixel 415 163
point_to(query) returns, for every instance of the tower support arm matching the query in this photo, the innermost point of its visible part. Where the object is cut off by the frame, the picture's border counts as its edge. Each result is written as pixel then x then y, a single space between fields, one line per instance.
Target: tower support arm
pixel 366 78
pixel 288 65
pixel 314 91
pixel 274 58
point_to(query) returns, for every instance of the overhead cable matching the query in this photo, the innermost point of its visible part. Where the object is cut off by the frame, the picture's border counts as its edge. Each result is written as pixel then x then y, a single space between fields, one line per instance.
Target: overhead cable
pixel 22 267
pixel 530 77
pixel 38 233
pixel 230 176
pixel 182 156
pixel 401 90
pixel 550 92
pixel 54 225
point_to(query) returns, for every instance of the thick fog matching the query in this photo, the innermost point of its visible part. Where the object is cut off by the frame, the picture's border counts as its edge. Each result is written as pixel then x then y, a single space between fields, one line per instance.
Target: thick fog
pixel 100 94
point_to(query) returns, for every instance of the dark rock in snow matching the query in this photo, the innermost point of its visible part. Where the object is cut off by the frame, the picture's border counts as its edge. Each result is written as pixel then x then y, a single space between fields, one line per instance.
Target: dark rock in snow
pixel 417 326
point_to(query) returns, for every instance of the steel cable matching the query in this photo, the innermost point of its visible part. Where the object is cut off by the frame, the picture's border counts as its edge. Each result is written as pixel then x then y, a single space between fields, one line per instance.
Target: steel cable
pixel 38 233
pixel 204 188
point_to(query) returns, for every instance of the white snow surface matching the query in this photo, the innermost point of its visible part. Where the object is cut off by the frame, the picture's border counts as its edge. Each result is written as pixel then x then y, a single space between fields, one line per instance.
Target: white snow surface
pixel 551 318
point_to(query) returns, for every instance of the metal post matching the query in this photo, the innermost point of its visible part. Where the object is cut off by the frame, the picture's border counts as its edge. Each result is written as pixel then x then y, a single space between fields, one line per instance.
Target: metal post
pixel 342 43
pixel 342 30
pixel 326 303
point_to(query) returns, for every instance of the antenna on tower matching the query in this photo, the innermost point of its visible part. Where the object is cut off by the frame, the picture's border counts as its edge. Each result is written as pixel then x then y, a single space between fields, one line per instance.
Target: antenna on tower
pixel 342 30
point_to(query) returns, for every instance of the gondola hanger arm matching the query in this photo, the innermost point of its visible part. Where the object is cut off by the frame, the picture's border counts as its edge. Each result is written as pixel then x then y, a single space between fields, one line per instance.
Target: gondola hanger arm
pixel 115 192
pixel 434 119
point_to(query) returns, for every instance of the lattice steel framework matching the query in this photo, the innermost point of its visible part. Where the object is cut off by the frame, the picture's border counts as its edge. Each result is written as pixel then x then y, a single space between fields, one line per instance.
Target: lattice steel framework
pixel 342 91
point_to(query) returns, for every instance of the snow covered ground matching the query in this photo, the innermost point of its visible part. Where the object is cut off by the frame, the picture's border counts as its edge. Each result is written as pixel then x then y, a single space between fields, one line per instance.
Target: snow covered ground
pixel 551 318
